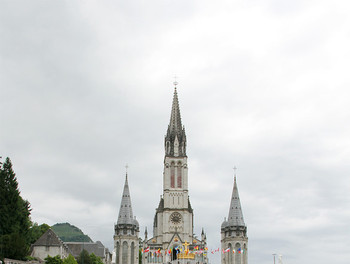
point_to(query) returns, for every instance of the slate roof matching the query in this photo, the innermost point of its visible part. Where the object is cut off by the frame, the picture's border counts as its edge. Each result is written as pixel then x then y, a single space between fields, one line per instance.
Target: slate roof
pixel 235 216
pixel 49 238
pixel 77 247
pixel 125 211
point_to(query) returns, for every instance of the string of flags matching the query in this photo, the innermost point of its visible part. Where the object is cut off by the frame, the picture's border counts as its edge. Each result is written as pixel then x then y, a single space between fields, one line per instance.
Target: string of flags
pixel 196 250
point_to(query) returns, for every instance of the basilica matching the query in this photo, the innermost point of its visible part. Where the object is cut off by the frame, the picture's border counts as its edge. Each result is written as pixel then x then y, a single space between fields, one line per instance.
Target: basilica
pixel 173 240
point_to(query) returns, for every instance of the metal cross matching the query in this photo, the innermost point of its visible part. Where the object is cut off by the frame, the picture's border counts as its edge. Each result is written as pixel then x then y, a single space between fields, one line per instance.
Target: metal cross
pixel 175 82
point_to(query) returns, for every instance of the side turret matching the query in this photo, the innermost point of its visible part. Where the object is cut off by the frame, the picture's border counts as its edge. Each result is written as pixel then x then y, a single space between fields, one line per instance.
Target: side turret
pixel 126 231
pixel 234 232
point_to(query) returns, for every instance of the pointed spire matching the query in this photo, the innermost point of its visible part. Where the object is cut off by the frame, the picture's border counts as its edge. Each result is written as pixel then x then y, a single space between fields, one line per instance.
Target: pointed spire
pixel 235 215
pixel 175 117
pixel 125 212
pixel 175 139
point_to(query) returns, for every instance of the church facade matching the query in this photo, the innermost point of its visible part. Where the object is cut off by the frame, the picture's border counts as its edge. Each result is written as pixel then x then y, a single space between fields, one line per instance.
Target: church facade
pixel 173 240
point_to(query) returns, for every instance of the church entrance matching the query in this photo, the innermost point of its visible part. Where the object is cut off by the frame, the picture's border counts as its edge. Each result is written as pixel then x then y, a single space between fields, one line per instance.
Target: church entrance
pixel 174 251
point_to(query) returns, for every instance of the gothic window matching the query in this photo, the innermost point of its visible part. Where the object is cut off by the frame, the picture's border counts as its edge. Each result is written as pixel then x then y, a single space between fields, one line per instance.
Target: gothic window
pixel 172 176
pixel 244 253
pixel 179 176
pixel 238 253
pixel 125 252
pixel 132 253
pixel 117 253
pixel 230 255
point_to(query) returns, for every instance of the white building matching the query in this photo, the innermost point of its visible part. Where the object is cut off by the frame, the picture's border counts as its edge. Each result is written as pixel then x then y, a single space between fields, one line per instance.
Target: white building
pixel 173 240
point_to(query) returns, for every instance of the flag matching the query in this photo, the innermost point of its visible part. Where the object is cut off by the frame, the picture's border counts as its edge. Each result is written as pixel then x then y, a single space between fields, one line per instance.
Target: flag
pixel 239 251
pixel 146 249
pixel 226 250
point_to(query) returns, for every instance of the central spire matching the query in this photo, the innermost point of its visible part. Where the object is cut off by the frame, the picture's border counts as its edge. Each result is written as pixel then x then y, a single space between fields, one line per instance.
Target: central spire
pixel 175 139
pixel 175 117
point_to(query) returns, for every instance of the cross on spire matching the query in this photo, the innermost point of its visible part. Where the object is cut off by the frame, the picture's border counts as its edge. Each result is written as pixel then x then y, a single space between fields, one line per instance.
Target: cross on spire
pixel 175 81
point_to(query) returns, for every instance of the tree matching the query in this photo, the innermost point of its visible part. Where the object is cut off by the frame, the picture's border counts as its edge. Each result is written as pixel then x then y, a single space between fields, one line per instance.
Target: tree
pixel 84 258
pixel 140 256
pixel 14 216
pixel 53 260
pixel 70 260
pixel 36 231
pixel 95 259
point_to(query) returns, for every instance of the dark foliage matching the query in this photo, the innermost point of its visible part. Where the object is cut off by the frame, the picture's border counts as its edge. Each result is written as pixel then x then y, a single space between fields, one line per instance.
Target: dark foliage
pixel 14 216
pixel 53 260
pixel 84 258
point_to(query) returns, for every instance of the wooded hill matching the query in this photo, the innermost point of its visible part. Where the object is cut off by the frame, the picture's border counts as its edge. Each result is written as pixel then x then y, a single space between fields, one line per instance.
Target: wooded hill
pixel 70 233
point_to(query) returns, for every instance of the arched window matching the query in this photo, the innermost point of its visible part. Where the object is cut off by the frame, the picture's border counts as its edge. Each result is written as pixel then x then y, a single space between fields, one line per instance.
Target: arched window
pixel 245 254
pixel 238 253
pixel 117 250
pixel 172 175
pixel 230 255
pixel 132 254
pixel 125 252
pixel 179 176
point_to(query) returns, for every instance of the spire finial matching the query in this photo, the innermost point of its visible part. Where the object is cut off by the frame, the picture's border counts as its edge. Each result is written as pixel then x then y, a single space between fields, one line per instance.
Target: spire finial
pixel 175 82
pixel 126 172
pixel 235 170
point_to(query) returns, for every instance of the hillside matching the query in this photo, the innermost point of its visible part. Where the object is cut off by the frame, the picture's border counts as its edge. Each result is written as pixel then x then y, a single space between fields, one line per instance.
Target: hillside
pixel 70 233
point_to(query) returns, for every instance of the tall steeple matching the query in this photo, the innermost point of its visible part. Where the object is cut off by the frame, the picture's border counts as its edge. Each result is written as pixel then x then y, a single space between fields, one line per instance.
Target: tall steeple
pixel 126 231
pixel 234 232
pixel 235 215
pixel 173 221
pixel 125 211
pixel 175 139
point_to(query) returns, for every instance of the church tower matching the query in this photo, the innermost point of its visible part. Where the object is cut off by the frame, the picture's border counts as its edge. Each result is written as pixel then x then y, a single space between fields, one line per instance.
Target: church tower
pixel 234 240
pixel 173 221
pixel 126 231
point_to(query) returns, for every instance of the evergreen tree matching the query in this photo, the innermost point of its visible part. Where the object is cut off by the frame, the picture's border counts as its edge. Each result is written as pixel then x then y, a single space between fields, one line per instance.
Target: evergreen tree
pixel 14 216
pixel 36 231
pixel 95 259
pixel 84 258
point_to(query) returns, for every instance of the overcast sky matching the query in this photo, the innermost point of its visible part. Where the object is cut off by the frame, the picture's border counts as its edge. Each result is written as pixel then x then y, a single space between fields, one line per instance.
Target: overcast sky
pixel 86 87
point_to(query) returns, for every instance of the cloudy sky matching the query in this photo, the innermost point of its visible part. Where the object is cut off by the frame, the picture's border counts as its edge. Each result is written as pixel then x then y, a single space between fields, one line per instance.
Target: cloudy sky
pixel 86 87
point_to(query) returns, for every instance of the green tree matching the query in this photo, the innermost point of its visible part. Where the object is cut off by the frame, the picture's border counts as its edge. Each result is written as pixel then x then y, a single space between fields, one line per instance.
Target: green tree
pixel 95 259
pixel 53 260
pixel 84 258
pixel 36 231
pixel 140 256
pixel 14 216
pixel 70 260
